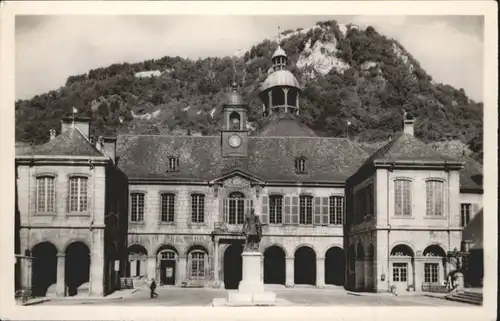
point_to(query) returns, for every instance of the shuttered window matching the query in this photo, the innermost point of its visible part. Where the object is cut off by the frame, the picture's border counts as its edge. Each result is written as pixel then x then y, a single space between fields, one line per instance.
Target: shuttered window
pixel 137 207
pixel 434 198
pixel 306 209
pixel 275 209
pixel 288 210
pixel 45 194
pixel 197 208
pixel 336 209
pixel 402 197
pixel 78 194
pixel 167 207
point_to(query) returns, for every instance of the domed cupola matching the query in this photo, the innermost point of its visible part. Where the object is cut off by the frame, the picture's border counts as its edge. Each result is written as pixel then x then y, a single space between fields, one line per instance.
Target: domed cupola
pixel 280 92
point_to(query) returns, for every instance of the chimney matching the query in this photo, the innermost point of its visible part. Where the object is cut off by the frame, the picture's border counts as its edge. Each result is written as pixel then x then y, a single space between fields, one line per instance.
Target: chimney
pixel 109 147
pixel 80 122
pixel 409 123
pixel 99 144
pixel 52 133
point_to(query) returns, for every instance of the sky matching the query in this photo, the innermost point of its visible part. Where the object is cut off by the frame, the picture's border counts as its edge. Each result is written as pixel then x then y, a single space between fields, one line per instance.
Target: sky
pixel 51 48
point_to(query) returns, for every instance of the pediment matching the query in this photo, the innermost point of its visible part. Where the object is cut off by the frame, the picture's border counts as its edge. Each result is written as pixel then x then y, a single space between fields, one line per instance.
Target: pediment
pixel 237 178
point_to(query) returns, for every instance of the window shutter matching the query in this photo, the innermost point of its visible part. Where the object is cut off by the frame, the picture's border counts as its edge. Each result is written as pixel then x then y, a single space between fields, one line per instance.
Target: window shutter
pixel 317 211
pixel 225 210
pixel 324 210
pixel 287 211
pixel 67 195
pixel 295 210
pixel 264 209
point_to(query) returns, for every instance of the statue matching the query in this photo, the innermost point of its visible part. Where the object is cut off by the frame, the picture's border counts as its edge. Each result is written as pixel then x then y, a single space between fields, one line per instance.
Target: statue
pixel 252 230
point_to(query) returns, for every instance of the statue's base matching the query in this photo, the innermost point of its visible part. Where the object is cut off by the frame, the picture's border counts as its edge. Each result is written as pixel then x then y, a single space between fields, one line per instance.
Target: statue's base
pixel 251 288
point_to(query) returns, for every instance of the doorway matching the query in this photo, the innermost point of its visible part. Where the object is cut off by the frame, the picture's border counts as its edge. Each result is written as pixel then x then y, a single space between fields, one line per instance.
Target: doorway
pixel 167 267
pixel 233 266
pixel 305 266
pixel 44 268
pixel 400 276
pixel 274 265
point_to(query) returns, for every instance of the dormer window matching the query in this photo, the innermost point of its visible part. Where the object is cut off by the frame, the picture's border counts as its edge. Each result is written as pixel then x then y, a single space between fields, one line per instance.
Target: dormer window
pixel 173 164
pixel 300 165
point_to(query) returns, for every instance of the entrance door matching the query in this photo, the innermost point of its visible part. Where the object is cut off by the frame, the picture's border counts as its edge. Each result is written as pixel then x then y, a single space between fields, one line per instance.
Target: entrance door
pixel 167 276
pixel 400 276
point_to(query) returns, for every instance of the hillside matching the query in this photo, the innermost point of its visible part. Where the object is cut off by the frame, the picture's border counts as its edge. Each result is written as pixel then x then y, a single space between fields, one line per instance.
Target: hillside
pixel 348 74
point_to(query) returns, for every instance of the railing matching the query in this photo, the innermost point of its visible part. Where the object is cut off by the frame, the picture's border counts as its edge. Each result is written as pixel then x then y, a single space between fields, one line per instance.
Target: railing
pixel 436 288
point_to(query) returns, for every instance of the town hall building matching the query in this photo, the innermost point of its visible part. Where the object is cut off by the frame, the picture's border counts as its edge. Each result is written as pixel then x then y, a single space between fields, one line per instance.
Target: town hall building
pixel 171 208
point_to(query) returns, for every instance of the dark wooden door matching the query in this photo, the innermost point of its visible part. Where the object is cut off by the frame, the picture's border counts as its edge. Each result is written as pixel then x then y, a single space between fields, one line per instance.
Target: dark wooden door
pixel 167 272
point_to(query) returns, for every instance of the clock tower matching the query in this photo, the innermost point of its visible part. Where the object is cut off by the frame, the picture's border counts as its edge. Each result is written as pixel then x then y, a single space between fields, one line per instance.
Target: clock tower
pixel 234 135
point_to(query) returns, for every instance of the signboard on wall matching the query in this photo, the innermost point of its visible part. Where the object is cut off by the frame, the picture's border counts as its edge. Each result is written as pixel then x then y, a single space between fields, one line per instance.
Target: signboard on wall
pixel 117 265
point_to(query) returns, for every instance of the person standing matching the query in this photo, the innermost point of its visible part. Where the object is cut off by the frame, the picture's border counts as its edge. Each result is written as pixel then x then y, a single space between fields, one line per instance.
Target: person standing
pixel 152 287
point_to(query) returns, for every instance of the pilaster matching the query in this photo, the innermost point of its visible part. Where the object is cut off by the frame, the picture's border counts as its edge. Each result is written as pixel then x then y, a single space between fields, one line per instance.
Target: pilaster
pixel 320 272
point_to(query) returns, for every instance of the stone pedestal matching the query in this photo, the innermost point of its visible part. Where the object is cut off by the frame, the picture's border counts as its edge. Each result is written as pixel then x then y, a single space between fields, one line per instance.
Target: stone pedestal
pixel 460 281
pixel 251 288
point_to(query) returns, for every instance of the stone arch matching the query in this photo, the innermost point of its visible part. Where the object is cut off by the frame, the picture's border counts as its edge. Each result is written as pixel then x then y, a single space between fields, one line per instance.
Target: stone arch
pixel 335 266
pixel 76 240
pixel 277 245
pixel 198 246
pixel 434 250
pixel 44 267
pixel 166 247
pixel 402 249
pixel 304 245
pixel 136 260
pixel 305 265
pixel 275 265
pixel 77 266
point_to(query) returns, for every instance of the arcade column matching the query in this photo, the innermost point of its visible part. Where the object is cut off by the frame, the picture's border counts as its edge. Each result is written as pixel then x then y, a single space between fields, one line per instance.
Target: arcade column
pixel 289 281
pixel 60 284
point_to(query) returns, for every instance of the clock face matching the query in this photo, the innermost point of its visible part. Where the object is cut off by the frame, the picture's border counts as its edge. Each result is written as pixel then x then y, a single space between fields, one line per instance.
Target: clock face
pixel 234 141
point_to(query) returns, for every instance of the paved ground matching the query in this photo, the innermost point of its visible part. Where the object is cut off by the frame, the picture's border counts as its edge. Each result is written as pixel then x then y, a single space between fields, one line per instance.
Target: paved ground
pixel 298 296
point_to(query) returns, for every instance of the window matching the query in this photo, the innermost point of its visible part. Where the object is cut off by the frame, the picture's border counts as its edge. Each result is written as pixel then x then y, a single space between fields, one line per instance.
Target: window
pixel 336 209
pixel 300 165
pixel 137 208
pixel 276 209
pixel 402 197
pixel 197 265
pixel 45 194
pixel 434 201
pixel 78 199
pixel 431 272
pixel 305 212
pixel 173 164
pixel 197 208
pixel 465 214
pixel 399 272
pixel 167 255
pixel 167 207
pixel 236 208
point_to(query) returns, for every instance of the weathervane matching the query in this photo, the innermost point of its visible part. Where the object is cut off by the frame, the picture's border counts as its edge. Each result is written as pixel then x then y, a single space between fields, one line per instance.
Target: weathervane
pixel 279 36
